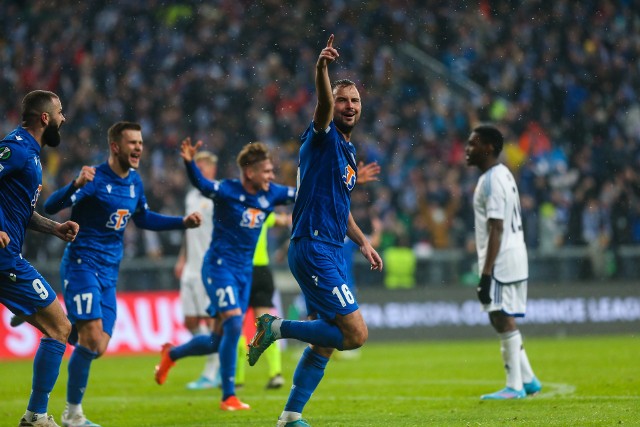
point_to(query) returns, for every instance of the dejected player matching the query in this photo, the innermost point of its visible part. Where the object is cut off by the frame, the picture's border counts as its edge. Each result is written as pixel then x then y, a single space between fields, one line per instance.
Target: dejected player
pixel 502 258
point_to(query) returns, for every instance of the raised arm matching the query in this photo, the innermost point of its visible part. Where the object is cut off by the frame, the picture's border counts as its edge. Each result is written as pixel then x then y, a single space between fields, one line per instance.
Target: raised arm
pixel 324 108
pixel 61 198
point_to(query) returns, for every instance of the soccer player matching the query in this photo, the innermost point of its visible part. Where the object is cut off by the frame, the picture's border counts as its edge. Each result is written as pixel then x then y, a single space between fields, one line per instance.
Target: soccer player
pixel 22 289
pixel 193 295
pixel 241 207
pixel 261 300
pixel 502 258
pixel 321 218
pixel 103 199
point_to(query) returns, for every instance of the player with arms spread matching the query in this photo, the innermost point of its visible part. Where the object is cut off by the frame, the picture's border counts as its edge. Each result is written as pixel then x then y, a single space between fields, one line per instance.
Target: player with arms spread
pixel 502 258
pixel 22 289
pixel 321 219
pixel 241 207
pixel 103 199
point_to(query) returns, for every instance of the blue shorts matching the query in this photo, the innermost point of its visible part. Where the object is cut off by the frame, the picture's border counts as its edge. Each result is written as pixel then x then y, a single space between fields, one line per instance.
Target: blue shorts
pixel 88 295
pixel 228 287
pixel 23 290
pixel 320 270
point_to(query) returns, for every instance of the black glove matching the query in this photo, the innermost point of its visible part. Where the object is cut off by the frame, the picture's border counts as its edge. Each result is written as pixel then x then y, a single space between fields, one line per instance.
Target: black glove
pixel 484 289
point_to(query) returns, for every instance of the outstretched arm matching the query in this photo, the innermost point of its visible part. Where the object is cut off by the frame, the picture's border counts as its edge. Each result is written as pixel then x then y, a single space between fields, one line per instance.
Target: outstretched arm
pixel 324 108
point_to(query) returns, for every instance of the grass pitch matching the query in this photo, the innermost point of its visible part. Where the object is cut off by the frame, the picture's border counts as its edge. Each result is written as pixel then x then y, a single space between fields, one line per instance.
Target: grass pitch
pixel 587 381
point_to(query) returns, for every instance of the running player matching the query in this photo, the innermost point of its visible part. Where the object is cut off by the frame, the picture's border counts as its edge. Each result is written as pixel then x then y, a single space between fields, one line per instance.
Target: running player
pixel 241 207
pixel 22 289
pixel 103 200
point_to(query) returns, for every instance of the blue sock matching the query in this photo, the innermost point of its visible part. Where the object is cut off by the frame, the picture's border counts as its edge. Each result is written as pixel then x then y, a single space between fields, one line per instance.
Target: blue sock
pixel 306 378
pixel 231 330
pixel 197 346
pixel 317 332
pixel 46 366
pixel 79 365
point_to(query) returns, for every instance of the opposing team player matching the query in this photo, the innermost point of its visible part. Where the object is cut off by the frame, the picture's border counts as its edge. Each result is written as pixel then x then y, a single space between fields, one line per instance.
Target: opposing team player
pixel 502 258
pixel 104 199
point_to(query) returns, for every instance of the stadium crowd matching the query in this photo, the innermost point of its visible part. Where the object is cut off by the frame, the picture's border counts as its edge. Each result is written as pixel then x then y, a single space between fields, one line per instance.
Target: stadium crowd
pixel 561 79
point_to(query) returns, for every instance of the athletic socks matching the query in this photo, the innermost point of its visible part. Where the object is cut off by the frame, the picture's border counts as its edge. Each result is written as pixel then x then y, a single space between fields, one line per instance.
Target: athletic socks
pixel 317 332
pixel 211 366
pixel 79 366
pixel 306 378
pixel 232 328
pixel 525 367
pixel 510 347
pixel 197 346
pixel 46 366
pixel 274 360
pixel 241 358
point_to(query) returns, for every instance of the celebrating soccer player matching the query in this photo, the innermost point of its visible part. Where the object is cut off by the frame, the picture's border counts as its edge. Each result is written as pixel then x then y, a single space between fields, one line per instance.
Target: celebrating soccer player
pixel 103 198
pixel 321 218
pixel 241 207
pixel 22 289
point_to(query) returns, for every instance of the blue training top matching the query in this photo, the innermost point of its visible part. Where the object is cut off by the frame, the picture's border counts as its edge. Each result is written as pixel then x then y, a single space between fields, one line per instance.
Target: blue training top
pixel 103 208
pixel 327 173
pixel 238 216
pixel 20 185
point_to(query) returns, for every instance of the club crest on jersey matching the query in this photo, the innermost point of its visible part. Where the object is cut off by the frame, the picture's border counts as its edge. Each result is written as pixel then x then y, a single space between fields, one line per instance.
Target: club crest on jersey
pixel 264 203
pixel 118 219
pixel 349 177
pixel 132 191
pixel 252 218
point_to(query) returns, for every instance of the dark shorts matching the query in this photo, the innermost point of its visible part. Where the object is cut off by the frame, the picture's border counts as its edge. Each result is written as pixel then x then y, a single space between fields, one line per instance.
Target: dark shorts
pixel 262 287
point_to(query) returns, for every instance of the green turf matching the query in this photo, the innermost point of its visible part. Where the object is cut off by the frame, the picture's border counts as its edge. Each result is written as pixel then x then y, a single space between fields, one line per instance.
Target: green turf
pixel 588 381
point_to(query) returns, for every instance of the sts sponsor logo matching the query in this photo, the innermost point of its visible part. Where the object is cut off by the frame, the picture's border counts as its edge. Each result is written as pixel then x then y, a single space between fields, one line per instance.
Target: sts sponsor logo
pixel 118 219
pixel 252 218
pixel 349 177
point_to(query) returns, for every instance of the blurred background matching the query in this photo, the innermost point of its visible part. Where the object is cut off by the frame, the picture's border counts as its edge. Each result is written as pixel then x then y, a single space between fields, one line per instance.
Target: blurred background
pixel 561 79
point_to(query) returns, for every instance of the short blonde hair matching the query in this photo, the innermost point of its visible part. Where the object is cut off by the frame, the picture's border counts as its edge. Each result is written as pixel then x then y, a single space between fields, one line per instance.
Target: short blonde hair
pixel 252 153
pixel 207 156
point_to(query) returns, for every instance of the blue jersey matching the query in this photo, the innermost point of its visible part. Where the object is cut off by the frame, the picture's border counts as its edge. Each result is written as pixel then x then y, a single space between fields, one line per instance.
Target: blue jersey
pixel 238 216
pixel 326 175
pixel 103 208
pixel 20 185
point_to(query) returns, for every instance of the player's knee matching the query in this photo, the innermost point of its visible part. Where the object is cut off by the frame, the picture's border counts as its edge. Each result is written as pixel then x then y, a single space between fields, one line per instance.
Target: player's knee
pixel 356 338
pixel 61 330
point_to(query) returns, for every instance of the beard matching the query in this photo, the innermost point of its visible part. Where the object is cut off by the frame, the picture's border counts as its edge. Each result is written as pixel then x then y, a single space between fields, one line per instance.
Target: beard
pixel 344 127
pixel 51 135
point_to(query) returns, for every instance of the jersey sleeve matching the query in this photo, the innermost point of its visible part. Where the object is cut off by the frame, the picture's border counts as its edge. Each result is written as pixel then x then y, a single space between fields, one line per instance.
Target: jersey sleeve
pixel 495 197
pixel 283 195
pixel 147 219
pixel 12 158
pixel 67 196
pixel 208 188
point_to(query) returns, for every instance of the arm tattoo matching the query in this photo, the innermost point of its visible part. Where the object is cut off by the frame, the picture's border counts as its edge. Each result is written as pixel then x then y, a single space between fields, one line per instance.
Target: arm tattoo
pixel 42 224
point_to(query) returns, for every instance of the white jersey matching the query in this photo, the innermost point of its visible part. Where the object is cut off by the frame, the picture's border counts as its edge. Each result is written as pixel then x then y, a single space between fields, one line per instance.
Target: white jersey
pixel 198 239
pixel 496 197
